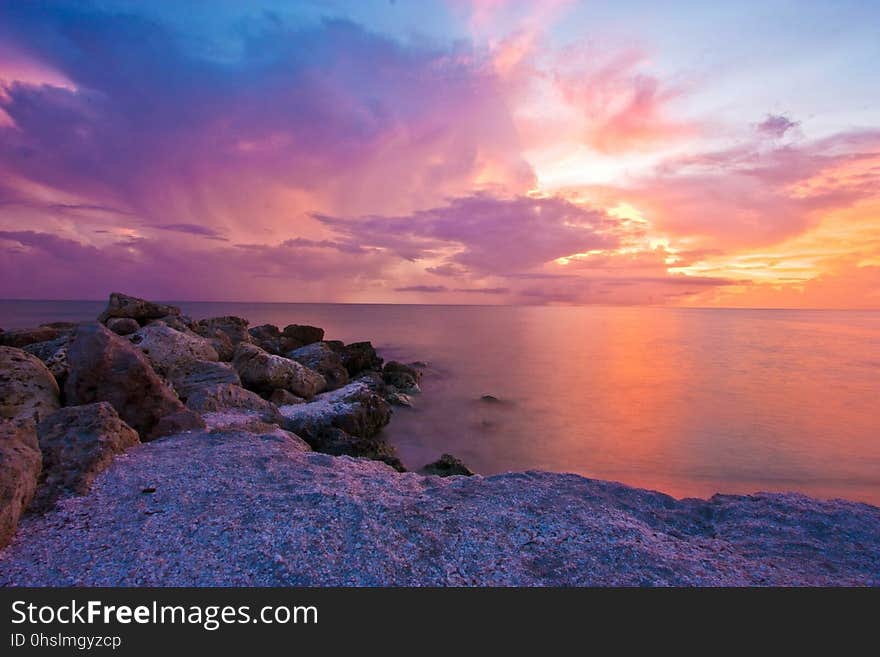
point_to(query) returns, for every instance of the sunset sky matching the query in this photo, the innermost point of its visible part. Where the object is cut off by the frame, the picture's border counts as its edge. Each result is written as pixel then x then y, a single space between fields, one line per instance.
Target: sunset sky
pixel 680 153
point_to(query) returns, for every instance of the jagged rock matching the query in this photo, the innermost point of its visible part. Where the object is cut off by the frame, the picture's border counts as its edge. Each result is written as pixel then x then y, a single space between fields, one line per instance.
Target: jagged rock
pixel 225 397
pixel 54 356
pixel 191 376
pixel 107 367
pixel 336 442
pixel 122 325
pixel 20 462
pixel 180 323
pixel 355 409
pixel 285 398
pixel 267 337
pixel 396 398
pixel 28 390
pixel 321 358
pixel 182 421
pixel 123 305
pixel 357 356
pixel 230 422
pixel 167 348
pixel 448 466
pixel 265 373
pixel 20 338
pixel 224 333
pixel 403 377
pixel 78 443
pixel 295 336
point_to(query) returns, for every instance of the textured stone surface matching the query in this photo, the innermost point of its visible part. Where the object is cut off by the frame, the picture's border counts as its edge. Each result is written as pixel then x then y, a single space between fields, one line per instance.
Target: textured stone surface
pixel 77 443
pixel 28 390
pixel 326 362
pixel 190 377
pixel 224 333
pixel 447 466
pixel 122 325
pixel 20 338
pixel 123 305
pixel 107 367
pixel 264 373
pixel 167 348
pixel 227 397
pixel 244 510
pixel 19 468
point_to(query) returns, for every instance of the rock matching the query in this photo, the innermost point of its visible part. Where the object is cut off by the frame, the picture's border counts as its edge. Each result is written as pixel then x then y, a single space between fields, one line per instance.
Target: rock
pixel 490 399
pixel 265 373
pixel 107 367
pixel 357 356
pixel 224 333
pixel 355 409
pixel 223 424
pixel 396 398
pixel 28 390
pixel 336 442
pixel 403 377
pixel 225 397
pixel 447 466
pixel 54 356
pixel 267 337
pixel 180 323
pixel 19 338
pixel 167 348
pixel 66 327
pixel 189 377
pixel 20 463
pixel 78 443
pixel 285 398
pixel 123 305
pixel 295 336
pixel 182 421
pixel 322 359
pixel 122 325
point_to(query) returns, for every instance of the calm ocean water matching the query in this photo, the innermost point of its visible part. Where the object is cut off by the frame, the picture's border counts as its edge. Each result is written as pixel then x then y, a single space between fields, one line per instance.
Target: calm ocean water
pixel 687 401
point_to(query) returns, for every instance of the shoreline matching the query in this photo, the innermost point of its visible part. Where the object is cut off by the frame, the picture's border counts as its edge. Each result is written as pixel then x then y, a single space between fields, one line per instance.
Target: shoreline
pixel 145 443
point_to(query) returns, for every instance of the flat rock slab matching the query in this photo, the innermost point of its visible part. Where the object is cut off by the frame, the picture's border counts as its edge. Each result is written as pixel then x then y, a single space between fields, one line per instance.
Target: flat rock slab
pixel 243 510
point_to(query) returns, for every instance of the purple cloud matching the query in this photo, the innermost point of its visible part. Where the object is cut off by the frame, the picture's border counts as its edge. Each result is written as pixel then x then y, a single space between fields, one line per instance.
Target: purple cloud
pixel 776 125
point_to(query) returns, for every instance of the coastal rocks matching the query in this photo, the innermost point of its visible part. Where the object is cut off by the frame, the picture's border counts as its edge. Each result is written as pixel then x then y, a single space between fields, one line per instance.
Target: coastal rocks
pixel 490 399
pixel 54 356
pixel 122 325
pixel 403 377
pixel 322 359
pixel 77 443
pixel 357 356
pixel 167 348
pixel 107 367
pixel 295 336
pixel 344 421
pixel 224 334
pixel 141 310
pixel 447 466
pixel 20 338
pixel 28 390
pixel 20 463
pixel 226 397
pixel 191 376
pixel 267 337
pixel 285 398
pixel 182 421
pixel 264 373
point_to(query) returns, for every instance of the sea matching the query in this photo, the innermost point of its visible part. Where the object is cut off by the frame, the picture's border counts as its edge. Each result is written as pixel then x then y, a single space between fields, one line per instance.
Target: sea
pixel 687 401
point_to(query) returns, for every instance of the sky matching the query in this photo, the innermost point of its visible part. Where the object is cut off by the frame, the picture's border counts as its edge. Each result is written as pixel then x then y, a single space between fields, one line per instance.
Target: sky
pixel 442 151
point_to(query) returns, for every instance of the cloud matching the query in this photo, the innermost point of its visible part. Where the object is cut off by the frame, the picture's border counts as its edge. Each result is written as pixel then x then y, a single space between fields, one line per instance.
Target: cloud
pixel 776 125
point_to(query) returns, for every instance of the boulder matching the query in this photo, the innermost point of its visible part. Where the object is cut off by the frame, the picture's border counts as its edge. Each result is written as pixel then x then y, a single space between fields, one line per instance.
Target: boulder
pixel 335 441
pixel 226 397
pixel 265 373
pixel 295 336
pixel 267 337
pixel 234 329
pixel 191 376
pixel 177 322
pixel 123 305
pixel 357 356
pixel 20 463
pixel 54 356
pixel 167 348
pixel 122 325
pixel 403 377
pixel 355 409
pixel 78 443
pixel 285 398
pixel 447 466
pixel 182 421
pixel 19 338
pixel 107 367
pixel 321 358
pixel 397 398
pixel 28 390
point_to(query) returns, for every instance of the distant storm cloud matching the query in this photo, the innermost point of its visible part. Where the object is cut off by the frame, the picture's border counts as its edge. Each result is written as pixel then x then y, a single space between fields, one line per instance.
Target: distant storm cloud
pixel 776 125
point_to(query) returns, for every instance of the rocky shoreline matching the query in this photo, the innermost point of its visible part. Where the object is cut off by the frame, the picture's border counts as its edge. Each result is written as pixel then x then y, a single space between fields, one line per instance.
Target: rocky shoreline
pixel 148 448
